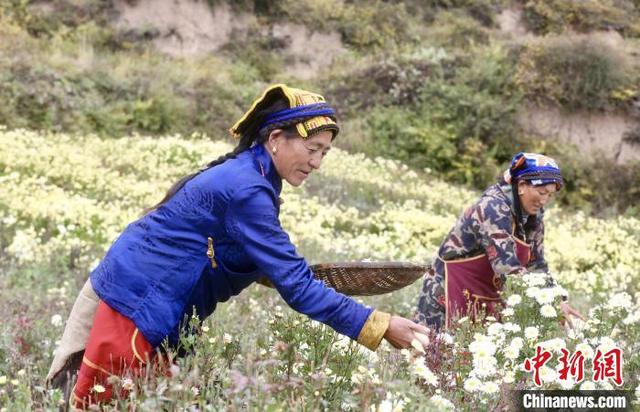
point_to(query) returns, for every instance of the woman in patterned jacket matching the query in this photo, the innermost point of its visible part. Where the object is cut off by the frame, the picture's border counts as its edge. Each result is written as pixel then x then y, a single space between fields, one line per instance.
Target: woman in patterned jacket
pixel 501 234
pixel 215 233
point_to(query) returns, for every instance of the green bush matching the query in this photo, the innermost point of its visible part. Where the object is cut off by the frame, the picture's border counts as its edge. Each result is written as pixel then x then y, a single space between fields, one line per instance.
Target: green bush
pixel 456 29
pixel 575 72
pixel 381 81
pixel 462 125
pixel 44 19
pixel 364 25
pixel 555 16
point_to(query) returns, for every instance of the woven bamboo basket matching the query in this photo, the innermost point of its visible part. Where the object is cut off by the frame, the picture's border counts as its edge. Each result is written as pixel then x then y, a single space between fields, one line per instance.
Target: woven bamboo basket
pixel 365 278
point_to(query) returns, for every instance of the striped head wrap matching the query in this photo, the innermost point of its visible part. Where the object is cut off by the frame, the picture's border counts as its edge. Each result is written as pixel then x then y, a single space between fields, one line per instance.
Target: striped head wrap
pixel 307 110
pixel 535 168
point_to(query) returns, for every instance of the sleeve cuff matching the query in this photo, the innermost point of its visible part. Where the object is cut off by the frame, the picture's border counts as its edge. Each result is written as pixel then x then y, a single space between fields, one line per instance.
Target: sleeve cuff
pixel 374 329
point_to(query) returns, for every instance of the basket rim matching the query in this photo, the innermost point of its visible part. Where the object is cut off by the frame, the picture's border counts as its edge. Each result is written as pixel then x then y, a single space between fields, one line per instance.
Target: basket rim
pixel 371 264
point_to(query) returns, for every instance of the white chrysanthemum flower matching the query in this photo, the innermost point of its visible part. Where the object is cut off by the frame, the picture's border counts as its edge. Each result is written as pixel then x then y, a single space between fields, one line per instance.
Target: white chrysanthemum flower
pixel 472 384
pixel 566 384
pixel 634 317
pixel 98 388
pixel 511 327
pixel 587 386
pixel 517 342
pixel 535 279
pixel 545 296
pixel 511 352
pixel 548 311
pixel 606 385
pixel 357 378
pixel 514 300
pixel 531 332
pixel 532 291
pixel 442 403
pixel 620 300
pixel 508 312
pixel 556 344
pixel 482 346
pixel 446 338
pixel 606 344
pixel 56 320
pixel 422 371
pixel 494 329
pixel 547 374
pixel 559 291
pixel 586 350
pixel 509 377
pixel 484 367
pixel 490 388
pixel 226 338
pixel 385 406
pixel 25 246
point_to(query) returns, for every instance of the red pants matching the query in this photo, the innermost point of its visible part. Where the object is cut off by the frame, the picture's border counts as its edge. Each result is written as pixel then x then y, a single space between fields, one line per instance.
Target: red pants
pixel 115 347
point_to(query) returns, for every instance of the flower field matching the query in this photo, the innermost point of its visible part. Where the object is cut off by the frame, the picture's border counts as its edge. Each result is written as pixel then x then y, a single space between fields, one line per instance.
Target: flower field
pixel 64 199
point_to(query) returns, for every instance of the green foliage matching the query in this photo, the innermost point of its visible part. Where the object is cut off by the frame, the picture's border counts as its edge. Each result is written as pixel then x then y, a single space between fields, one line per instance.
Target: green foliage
pixel 80 91
pixel 456 29
pixel 364 25
pixel 381 81
pixel 483 11
pixel 555 16
pixel 462 124
pixel 573 72
pixel 44 19
pixel 258 48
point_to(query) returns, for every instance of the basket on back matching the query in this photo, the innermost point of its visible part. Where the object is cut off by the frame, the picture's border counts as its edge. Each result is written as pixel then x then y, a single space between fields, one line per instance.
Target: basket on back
pixel 365 278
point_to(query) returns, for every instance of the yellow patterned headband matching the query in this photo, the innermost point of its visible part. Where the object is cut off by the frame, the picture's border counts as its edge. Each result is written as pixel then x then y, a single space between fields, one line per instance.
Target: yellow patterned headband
pixel 310 108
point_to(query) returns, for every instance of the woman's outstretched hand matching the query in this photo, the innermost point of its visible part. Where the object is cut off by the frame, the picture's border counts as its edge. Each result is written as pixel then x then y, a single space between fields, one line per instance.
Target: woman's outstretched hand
pixel 401 332
pixel 568 311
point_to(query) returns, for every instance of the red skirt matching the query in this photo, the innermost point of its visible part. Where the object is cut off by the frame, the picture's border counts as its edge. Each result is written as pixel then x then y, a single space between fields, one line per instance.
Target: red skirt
pixel 115 347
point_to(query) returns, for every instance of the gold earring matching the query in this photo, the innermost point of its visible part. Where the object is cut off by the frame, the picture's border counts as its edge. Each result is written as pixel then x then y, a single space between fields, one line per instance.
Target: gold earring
pixel 274 150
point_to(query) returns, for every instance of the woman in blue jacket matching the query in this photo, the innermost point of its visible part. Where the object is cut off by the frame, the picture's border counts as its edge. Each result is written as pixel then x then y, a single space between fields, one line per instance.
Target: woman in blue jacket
pixel 215 233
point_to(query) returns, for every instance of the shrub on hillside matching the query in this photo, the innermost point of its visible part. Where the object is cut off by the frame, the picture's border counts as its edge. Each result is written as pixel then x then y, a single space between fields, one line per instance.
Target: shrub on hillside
pixel 63 83
pixel 575 72
pixel 44 19
pixel 362 24
pixel 555 16
pixel 456 29
pixel 381 81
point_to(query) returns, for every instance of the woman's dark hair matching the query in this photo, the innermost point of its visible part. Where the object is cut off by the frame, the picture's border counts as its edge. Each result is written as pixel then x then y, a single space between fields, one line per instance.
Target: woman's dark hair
pixel 531 222
pixel 252 135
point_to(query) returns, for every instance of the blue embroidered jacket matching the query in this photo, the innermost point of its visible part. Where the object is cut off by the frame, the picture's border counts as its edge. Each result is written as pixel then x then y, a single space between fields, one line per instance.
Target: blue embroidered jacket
pixel 158 270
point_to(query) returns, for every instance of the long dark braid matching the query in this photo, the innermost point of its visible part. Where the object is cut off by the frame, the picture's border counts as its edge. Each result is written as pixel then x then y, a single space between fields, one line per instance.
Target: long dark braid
pixel 252 135
pixel 517 208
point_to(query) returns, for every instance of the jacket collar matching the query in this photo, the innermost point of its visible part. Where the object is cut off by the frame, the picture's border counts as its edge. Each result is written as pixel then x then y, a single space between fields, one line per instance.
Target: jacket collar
pixel 265 166
pixel 507 192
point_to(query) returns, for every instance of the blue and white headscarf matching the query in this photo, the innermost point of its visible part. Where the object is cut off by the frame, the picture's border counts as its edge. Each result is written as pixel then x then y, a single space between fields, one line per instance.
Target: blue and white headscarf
pixel 535 168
